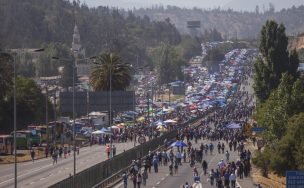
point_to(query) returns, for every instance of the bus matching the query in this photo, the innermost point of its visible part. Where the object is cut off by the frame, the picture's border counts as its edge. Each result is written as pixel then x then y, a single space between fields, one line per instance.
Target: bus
pixel 6 144
pixel 26 139
pixel 41 130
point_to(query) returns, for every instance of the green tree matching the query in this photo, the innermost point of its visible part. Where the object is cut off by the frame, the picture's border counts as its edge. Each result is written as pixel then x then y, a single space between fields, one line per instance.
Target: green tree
pixel 288 153
pixel 190 47
pixel 67 74
pixel 274 112
pixel 262 160
pixel 6 82
pixel 30 105
pixel 213 59
pixel 275 59
pixel 110 71
pixel 6 74
pixel 167 63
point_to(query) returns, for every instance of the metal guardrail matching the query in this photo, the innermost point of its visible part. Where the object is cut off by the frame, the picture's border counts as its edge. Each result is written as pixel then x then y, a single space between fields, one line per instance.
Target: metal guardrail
pixel 109 168
pixel 116 178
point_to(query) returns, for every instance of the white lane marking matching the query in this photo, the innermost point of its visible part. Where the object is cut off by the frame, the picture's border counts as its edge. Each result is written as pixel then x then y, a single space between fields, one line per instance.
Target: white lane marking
pixel 32 182
pixel 163 179
pixel 26 173
pixel 41 179
pixel 158 183
pixel 238 185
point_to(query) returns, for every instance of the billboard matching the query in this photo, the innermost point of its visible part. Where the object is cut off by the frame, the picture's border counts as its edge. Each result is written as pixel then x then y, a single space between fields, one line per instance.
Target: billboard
pixel 121 100
pixel 194 24
pixel 96 101
pixel 294 179
pixel 66 102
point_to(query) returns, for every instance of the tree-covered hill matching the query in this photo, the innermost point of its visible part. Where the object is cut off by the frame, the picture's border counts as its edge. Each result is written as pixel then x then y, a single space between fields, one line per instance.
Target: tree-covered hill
pixel 230 23
pixel 31 23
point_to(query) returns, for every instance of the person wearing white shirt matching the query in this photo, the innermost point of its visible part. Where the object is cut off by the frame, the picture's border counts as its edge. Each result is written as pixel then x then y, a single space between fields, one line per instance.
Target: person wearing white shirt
pixel 232 179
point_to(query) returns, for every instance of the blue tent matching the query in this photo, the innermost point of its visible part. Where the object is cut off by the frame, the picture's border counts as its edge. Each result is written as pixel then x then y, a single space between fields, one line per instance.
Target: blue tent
pixel 233 126
pixel 178 144
pixel 105 130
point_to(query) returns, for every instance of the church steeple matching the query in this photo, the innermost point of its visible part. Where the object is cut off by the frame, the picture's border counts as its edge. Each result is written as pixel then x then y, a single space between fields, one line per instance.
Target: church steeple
pixel 76 41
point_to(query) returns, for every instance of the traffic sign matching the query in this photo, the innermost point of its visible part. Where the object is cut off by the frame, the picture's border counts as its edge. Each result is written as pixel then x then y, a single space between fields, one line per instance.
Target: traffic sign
pixel 294 179
pixel 258 129
pixel 142 139
pixel 34 132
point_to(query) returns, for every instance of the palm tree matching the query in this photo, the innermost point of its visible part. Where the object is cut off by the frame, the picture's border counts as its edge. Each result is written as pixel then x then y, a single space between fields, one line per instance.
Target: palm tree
pixel 108 68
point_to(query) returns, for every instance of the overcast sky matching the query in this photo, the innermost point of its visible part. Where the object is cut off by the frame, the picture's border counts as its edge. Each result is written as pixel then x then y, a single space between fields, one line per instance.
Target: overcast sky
pixel 248 5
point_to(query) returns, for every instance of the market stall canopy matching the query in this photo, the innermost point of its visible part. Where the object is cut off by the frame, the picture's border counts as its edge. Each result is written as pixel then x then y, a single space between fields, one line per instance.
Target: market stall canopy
pixel 233 126
pixel 105 130
pixel 170 121
pixel 141 119
pixel 178 144
pixel 95 114
pixel 98 132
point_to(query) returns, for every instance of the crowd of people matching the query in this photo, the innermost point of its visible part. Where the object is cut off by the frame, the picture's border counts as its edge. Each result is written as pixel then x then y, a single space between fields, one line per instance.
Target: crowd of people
pixel 210 134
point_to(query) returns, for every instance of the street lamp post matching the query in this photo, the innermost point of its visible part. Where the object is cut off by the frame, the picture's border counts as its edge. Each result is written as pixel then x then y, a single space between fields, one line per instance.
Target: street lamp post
pixel 15 114
pixel 74 147
pixel 73 107
pixel 110 112
pixel 15 126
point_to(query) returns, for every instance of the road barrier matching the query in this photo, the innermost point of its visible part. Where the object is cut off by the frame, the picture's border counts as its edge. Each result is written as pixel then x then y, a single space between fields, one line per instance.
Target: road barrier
pixel 102 171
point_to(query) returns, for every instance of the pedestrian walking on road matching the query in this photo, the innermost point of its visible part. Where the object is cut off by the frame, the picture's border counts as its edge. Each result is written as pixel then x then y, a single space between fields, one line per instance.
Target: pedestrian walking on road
pixel 176 166
pixel 138 179
pixel 125 179
pixel 232 179
pixel 227 155
pixel 205 167
pixel 108 151
pixel 33 154
pixel 114 150
pixel 46 151
pixel 145 177
pixel 211 177
pixel 55 156
pixel 155 164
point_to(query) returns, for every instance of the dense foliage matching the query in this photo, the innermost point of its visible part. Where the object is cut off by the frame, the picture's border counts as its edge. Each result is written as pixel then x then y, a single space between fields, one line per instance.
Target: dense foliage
pixel 110 73
pixel 30 101
pixel 168 63
pixel 275 60
pixel 29 24
pixel 281 107
pixel 232 24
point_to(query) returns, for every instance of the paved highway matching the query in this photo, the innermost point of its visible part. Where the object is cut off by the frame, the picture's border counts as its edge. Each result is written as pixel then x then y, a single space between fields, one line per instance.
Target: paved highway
pixel 162 179
pixel 42 173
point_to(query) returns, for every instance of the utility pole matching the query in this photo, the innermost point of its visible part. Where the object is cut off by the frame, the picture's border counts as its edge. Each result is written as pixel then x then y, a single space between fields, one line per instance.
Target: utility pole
pixel 111 150
pixel 46 112
pixel 74 147
pixel 15 126
pixel 148 101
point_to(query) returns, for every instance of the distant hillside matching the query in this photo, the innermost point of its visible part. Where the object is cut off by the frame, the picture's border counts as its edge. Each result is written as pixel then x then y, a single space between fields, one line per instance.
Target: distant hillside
pixel 230 23
pixel 296 42
pixel 250 5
